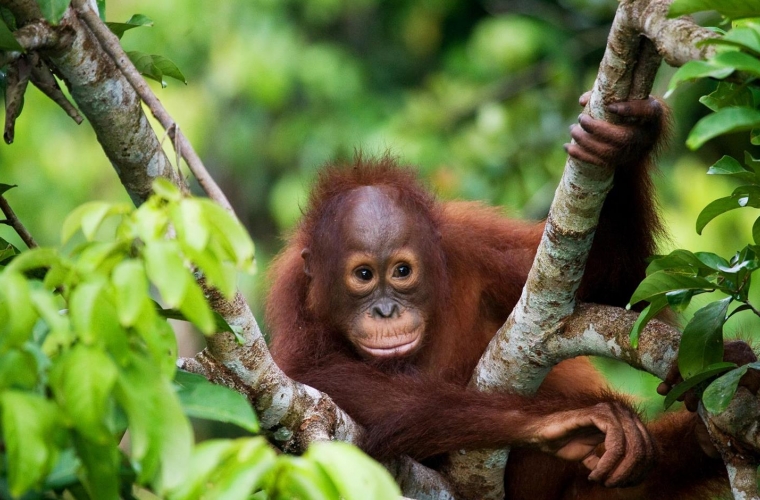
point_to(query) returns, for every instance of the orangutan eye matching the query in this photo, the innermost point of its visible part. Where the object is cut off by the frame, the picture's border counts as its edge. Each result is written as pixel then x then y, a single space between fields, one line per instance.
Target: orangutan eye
pixel 363 274
pixel 402 271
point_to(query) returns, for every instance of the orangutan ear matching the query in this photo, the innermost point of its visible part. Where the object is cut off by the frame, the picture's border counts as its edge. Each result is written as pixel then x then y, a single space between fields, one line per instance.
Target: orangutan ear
pixel 306 256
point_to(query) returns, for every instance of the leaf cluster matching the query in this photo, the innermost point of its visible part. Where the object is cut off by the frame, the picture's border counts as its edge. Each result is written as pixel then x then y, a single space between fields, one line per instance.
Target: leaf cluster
pixel 86 354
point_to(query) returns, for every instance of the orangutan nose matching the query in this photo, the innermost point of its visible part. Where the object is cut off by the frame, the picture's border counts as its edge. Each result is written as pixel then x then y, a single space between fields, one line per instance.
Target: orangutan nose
pixel 385 309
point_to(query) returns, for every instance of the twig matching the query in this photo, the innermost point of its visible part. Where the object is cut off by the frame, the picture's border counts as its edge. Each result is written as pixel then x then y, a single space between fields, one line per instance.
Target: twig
pixel 110 44
pixel 15 223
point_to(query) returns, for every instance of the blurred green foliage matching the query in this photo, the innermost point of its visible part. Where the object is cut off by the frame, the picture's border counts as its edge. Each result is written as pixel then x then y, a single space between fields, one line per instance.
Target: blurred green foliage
pixel 477 94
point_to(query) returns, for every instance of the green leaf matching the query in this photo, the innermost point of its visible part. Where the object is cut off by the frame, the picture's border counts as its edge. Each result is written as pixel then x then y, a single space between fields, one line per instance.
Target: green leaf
pixel 731 167
pixel 756 231
pixel 739 61
pixel 18 369
pixel 702 339
pixel 681 262
pixel 20 315
pixel 132 290
pixel 30 433
pixel 195 308
pixel 192 228
pixel 166 271
pixel 82 380
pixel 694 70
pixel 733 9
pixel 356 476
pixel 101 9
pixel 100 467
pixel 227 469
pixel 135 21
pixel 53 10
pixel 719 393
pixel 744 196
pixel 658 304
pixel 8 42
pixel 724 121
pixel 728 94
pixel 160 435
pixel 36 258
pixel 89 217
pixel 202 399
pixel 155 67
pixel 664 281
pixel 711 260
pixel 159 339
pixel 745 38
pixel 697 379
pixel 165 189
pixel 233 237
pixel 679 300
pixel 221 274
pixel 298 477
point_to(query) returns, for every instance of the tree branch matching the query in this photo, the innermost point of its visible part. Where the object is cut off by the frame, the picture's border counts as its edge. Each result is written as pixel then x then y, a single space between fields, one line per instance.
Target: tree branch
pixel 13 221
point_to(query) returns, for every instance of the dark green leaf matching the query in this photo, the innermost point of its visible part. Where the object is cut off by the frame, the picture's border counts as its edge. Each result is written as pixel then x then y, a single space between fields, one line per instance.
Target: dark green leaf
pixel 65 471
pixel 101 9
pixel 679 300
pixel 155 67
pixel 719 393
pixel 135 21
pixel 649 312
pixel 8 41
pixel 680 262
pixel 697 379
pixel 7 17
pixel 664 281
pixel 694 70
pixel 6 187
pixel 202 399
pixel 733 9
pixel 756 231
pixel 724 121
pixel 711 260
pixel 53 10
pixel 702 339
pixel 749 197
pixel 101 468
pixel 731 167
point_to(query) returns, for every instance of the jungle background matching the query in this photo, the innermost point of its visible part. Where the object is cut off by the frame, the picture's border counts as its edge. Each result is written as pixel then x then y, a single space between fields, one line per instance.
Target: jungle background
pixel 478 95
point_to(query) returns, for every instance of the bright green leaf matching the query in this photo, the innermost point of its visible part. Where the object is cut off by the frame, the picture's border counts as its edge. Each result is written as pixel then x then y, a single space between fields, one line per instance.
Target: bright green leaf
pixel 18 369
pixel 88 217
pixel 30 260
pixel 166 271
pixel 30 432
pixel 731 167
pixel 745 38
pixel 195 308
pixel 733 9
pixel 297 477
pixel 202 399
pixel 739 61
pixel 229 231
pixel 356 476
pixel 82 380
pixel 702 339
pixel 131 285
pixel 724 121
pixel 192 228
pixel 16 303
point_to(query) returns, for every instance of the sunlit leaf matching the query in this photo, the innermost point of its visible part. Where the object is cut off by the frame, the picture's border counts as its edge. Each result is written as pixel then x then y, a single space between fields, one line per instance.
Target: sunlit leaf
pixel 746 196
pixel 731 167
pixel 746 38
pixel 733 9
pixel 356 476
pixel 658 304
pixel 84 393
pixel 167 271
pixel 694 70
